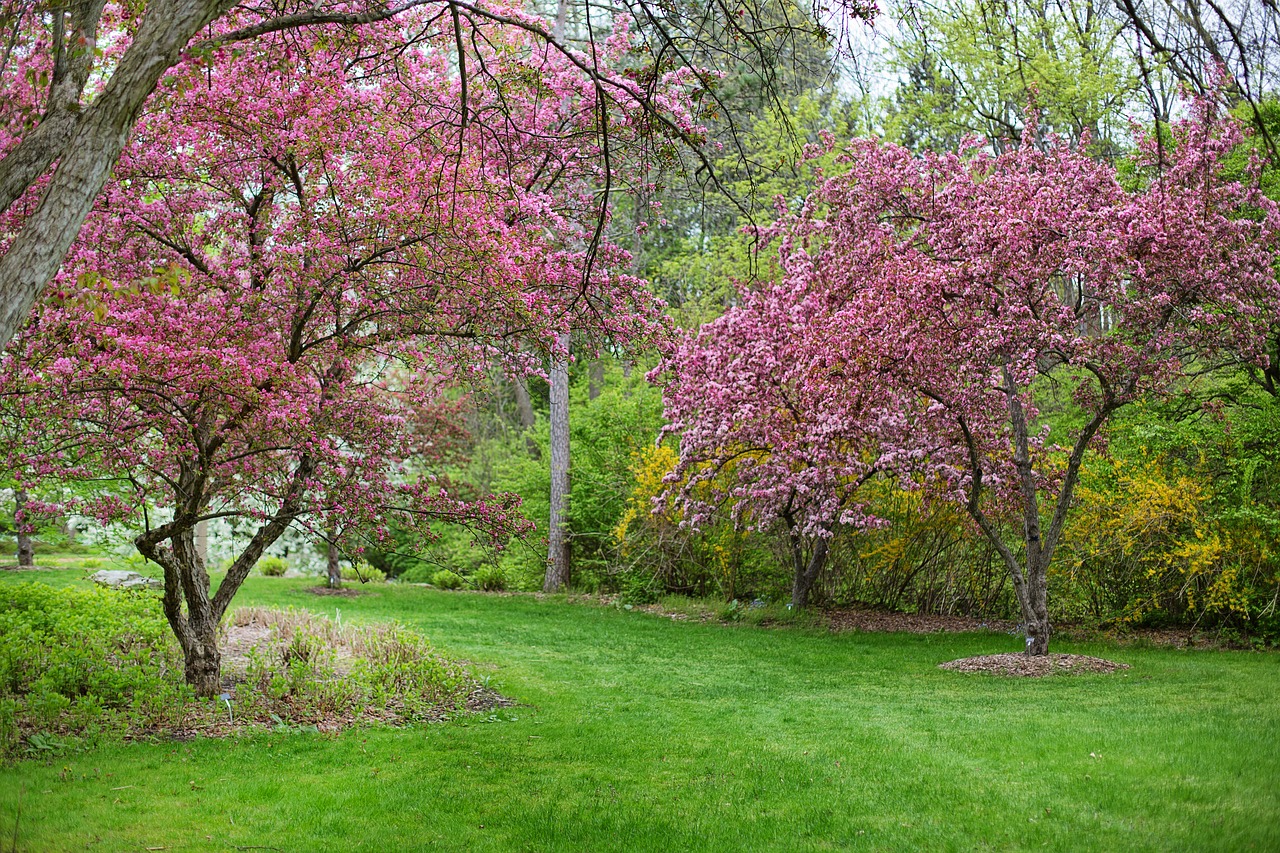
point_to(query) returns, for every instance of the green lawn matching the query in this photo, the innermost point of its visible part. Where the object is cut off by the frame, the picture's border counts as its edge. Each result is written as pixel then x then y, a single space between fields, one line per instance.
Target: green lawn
pixel 639 733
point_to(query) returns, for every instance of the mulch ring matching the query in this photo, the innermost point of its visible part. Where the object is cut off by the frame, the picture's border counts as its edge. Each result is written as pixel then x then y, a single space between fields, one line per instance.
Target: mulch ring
pixel 1026 666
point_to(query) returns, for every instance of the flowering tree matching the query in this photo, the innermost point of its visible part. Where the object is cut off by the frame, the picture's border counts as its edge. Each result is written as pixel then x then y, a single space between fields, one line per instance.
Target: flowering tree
pixel 75 76
pixel 965 288
pixel 288 267
pixel 772 432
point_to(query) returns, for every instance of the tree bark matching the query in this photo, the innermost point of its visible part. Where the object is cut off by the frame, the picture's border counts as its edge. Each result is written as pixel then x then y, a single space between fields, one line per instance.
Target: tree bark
pixel 806 571
pixel 335 571
pixel 524 406
pixel 558 567
pixel 26 550
pixel 73 53
pixel 595 379
pixel 202 660
pixel 88 156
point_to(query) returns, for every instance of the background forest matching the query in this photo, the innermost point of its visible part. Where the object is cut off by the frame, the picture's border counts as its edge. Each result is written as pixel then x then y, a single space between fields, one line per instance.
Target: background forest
pixel 1176 519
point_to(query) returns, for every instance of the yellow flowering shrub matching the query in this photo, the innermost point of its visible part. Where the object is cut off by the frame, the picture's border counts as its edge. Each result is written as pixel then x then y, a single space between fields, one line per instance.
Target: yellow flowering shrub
pixel 1147 539
pixel 658 555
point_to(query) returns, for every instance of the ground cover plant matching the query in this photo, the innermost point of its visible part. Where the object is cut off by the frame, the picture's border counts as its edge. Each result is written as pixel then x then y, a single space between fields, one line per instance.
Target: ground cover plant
pixel 642 733
pixel 79 667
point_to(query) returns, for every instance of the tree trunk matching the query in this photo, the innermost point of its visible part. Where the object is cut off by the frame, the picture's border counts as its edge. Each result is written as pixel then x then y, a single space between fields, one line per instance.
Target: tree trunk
pixel 558 533
pixel 192 613
pixel 34 256
pixel 26 550
pixel 806 572
pixel 525 408
pixel 595 379
pixel 203 660
pixel 557 576
pixel 1037 615
pixel 335 571
pixel 202 541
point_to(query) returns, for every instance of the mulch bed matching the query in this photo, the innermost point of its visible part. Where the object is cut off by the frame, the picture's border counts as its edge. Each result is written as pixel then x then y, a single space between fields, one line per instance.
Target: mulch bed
pixel 851 619
pixel 1025 666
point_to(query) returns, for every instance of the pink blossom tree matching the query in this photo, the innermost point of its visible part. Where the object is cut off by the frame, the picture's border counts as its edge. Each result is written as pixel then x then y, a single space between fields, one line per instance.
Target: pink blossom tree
pixel 961 289
pixel 306 242
pixel 773 435
pixel 76 75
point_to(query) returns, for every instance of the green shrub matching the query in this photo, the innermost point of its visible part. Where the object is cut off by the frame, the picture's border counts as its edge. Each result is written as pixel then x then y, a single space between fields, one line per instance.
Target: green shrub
pixel 366 574
pixel 639 587
pixel 732 611
pixel 80 662
pixel 489 579
pixel 272 567
pixel 445 579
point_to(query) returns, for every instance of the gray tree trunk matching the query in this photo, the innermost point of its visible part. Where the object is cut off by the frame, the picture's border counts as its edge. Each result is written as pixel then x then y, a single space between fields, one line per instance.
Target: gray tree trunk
pixel 524 407
pixel 202 541
pixel 86 158
pixel 595 379
pixel 334 569
pixel 557 576
pixel 806 571
pixel 26 549
pixel 558 533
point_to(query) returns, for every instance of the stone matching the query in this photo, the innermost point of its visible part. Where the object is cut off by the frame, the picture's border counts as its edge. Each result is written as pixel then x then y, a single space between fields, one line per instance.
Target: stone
pixel 125 580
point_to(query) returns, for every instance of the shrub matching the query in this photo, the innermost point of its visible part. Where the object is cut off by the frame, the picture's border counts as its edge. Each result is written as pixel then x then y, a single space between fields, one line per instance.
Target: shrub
pixel 81 662
pixel 312 669
pixel 640 588
pixel 272 567
pixel 366 574
pixel 489 579
pixel 445 579
pixel 656 554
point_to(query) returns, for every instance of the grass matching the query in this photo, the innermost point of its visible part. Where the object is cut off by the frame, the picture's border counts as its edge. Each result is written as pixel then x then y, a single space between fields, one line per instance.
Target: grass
pixel 640 733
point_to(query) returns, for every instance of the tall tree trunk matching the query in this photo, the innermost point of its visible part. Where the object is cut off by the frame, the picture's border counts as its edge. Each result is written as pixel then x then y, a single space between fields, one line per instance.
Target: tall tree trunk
pixel 335 571
pixel 595 379
pixel 557 576
pixel 524 406
pixel 26 550
pixel 558 533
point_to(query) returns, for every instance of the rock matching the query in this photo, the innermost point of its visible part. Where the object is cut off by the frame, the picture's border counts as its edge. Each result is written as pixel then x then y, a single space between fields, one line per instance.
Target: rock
pixel 125 580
